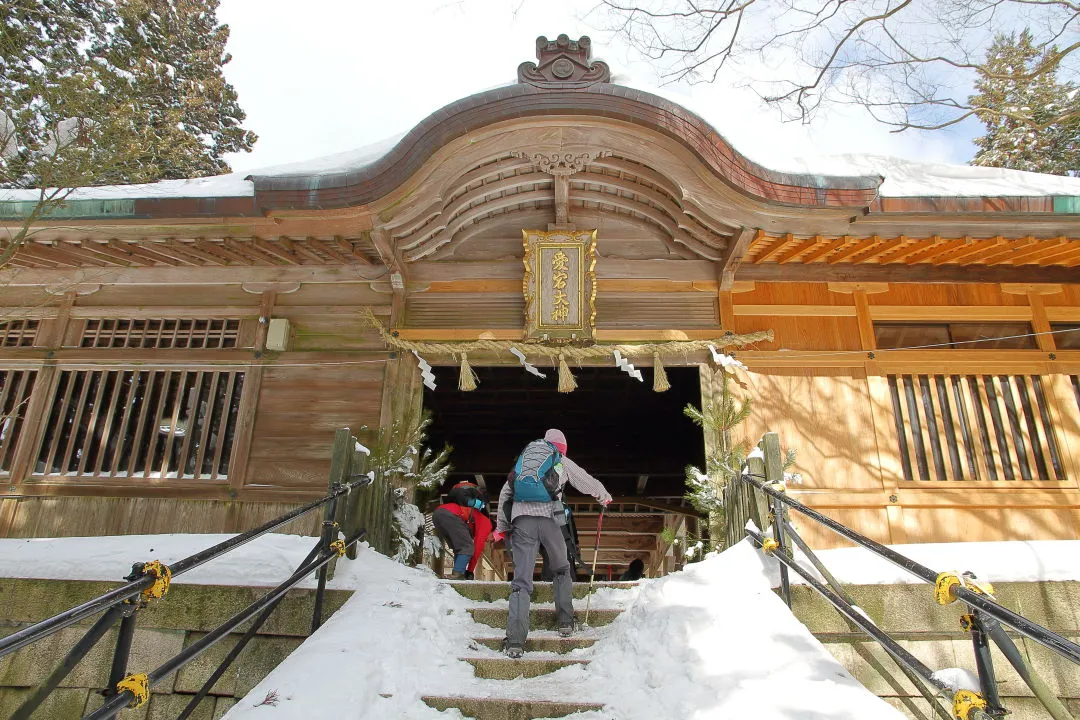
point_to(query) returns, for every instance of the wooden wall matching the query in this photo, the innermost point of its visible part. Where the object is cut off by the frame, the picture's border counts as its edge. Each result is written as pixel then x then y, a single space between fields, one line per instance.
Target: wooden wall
pixel 331 376
pixel 823 386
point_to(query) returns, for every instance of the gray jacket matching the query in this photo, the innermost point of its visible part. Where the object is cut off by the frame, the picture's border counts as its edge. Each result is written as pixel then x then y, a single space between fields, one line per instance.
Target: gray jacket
pixel 572 473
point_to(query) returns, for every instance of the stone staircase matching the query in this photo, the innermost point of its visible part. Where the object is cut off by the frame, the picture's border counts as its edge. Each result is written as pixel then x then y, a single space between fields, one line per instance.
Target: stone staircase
pixel 545 651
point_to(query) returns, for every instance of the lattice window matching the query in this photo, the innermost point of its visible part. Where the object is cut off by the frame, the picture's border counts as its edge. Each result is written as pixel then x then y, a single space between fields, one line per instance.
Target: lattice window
pixel 956 335
pixel 18 333
pixel 974 427
pixel 15 388
pixel 1066 335
pixel 141 423
pixel 204 334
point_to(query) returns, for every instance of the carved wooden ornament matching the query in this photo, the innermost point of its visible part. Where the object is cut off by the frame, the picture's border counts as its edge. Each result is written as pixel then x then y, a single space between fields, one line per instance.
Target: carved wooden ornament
pixel 560 285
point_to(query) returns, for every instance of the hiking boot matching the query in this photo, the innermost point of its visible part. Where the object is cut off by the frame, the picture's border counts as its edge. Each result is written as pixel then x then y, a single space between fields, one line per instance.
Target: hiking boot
pixel 566 630
pixel 461 576
pixel 514 651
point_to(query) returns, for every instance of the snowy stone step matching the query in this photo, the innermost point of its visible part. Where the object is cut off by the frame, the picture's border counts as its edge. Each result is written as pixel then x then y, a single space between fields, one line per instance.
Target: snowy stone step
pixel 541 643
pixel 542 591
pixel 504 668
pixel 507 709
pixel 540 618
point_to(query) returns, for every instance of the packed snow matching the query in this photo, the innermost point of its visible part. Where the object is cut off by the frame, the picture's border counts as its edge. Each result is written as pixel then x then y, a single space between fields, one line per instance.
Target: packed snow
pixel 1011 561
pixel 683 648
pixel 713 640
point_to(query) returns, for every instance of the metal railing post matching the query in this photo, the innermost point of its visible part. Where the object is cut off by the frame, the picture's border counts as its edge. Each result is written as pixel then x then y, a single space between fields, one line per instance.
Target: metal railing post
pixel 117 702
pixel 238 648
pixel 77 653
pixel 977 601
pixel 340 464
pixel 1038 686
pixel 122 653
pixel 984 663
pixel 774 475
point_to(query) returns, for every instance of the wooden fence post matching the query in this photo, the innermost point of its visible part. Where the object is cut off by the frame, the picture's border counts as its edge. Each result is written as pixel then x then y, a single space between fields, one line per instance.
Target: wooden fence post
pixel 774 475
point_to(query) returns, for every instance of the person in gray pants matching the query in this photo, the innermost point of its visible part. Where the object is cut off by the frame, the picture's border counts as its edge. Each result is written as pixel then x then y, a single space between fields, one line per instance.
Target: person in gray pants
pixel 527 525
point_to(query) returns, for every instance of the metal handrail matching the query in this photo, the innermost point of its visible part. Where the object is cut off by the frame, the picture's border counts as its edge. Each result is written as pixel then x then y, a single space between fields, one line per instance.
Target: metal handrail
pixel 152 580
pixel 119 701
pixel 1044 636
pixel 58 622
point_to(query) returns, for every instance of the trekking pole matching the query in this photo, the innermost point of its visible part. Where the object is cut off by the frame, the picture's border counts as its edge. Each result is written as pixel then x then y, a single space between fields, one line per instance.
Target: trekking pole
pixel 596 552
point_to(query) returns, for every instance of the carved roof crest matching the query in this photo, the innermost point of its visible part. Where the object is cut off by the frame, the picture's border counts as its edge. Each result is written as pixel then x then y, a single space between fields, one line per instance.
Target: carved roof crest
pixel 563 63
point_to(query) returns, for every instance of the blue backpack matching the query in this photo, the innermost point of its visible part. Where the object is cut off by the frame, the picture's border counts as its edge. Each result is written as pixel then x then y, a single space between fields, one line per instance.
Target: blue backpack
pixel 536 472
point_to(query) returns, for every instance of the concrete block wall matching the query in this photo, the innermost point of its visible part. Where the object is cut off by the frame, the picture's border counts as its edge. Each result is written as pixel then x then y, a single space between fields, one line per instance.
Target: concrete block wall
pixel 932 633
pixel 163 629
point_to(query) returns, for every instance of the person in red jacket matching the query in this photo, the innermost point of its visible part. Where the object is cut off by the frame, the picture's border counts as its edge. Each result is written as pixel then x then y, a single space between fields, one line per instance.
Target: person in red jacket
pixel 466 527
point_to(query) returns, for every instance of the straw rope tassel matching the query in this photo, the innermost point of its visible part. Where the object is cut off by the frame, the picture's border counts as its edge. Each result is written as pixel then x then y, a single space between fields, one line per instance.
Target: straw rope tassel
pixel 660 382
pixel 467 378
pixel 567 383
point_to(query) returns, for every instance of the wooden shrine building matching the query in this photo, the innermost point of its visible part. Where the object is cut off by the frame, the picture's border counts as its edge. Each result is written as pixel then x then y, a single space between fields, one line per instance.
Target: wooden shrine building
pixel 175 357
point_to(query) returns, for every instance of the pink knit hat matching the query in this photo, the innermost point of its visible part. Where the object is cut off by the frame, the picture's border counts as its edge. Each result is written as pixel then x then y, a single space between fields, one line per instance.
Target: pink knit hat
pixel 556 438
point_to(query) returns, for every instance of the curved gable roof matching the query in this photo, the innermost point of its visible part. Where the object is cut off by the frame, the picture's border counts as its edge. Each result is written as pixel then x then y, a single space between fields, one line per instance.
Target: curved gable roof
pixel 368 182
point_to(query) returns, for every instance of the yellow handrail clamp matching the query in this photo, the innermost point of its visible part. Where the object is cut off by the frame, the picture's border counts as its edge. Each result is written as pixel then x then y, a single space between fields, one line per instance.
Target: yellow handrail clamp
pixel 943 588
pixel 139 685
pixel 768 545
pixel 965 702
pixel 162 577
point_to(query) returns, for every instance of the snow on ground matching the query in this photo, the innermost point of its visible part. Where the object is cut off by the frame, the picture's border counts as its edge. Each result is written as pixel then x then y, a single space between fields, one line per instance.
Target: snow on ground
pixel 266 561
pixel 1012 561
pixel 712 641
pixel 271 558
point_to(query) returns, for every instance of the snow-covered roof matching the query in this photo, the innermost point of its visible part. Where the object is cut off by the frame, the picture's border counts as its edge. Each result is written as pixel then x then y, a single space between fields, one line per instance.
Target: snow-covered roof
pixel 902 178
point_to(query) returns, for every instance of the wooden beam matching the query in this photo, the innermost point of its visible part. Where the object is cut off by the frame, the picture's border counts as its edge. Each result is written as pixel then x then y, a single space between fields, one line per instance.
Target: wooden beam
pixel 332 251
pixel 776 248
pixel 276 250
pixel 823 249
pixel 734 255
pixel 249 399
pixel 990 313
pixel 28 277
pixel 795 310
pixel 844 253
pixel 924 273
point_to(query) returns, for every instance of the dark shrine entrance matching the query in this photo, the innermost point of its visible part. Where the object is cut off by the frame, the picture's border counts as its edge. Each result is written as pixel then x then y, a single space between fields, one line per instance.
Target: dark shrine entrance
pixel 635 441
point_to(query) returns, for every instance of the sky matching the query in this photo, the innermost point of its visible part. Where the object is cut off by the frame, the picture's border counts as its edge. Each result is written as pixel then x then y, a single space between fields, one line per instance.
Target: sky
pixel 328 76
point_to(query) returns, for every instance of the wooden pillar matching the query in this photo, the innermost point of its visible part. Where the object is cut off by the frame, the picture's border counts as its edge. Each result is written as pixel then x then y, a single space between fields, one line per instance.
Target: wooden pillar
pixel 1040 323
pixel 890 468
pixel 727 310
pixel 249 400
pixel 867 338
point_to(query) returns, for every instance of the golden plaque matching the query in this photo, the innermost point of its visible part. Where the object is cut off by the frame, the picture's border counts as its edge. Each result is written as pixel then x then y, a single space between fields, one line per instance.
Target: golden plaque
pixel 560 285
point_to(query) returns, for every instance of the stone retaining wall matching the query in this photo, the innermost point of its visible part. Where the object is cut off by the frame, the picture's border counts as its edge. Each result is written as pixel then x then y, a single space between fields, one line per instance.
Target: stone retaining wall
pixel 163 629
pixel 932 633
